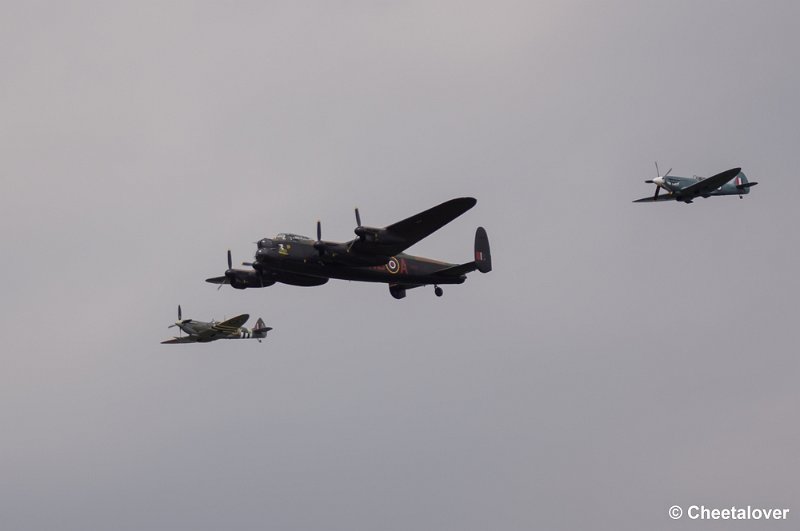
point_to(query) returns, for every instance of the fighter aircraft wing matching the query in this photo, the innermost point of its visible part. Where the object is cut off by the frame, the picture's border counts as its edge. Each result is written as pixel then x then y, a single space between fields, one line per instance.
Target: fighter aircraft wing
pixel 232 324
pixel 706 186
pixel 175 340
pixel 660 198
pixel 401 235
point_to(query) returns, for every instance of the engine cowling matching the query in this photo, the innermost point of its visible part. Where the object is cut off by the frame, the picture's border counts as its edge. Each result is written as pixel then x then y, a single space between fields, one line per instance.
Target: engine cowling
pixel 398 292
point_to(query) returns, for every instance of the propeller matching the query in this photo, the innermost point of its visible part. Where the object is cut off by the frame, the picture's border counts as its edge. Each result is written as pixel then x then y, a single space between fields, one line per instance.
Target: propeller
pixel 658 181
pixel 360 230
pixel 365 233
pixel 258 270
pixel 228 272
pixel 319 245
pixel 180 318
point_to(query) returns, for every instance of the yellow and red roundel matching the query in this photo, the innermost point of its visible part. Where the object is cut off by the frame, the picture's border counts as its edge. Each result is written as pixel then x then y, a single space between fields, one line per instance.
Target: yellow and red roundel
pixel 393 265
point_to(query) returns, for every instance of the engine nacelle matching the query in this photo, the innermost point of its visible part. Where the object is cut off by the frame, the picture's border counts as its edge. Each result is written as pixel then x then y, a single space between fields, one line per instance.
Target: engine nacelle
pixel 398 292
pixel 248 279
pixel 378 236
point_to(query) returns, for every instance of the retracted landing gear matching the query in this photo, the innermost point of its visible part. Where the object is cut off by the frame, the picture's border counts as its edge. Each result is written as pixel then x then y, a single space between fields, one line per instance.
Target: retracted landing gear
pixel 438 291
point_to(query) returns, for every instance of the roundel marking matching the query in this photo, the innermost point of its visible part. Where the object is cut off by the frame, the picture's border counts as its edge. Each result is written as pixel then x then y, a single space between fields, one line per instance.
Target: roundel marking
pixel 393 266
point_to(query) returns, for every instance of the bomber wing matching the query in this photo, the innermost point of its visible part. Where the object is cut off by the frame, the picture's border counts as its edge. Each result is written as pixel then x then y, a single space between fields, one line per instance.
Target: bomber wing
pixel 400 236
pixel 458 270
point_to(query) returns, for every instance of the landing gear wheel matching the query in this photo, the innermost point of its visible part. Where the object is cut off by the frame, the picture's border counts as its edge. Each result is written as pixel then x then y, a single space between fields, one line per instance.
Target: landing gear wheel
pixel 438 291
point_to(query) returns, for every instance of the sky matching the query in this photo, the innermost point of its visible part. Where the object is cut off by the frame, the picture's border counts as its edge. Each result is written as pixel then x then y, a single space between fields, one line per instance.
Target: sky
pixel 620 358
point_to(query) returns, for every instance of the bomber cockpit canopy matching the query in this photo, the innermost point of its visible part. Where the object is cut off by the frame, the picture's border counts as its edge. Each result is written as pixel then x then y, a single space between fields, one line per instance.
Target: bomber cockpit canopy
pixel 287 237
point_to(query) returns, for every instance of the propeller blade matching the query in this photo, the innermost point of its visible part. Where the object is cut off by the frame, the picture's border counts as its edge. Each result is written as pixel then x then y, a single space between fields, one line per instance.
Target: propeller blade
pixel 358 218
pixel 669 170
pixel 655 197
pixel 230 262
pixel 176 324
pixel 658 174
pixel 318 245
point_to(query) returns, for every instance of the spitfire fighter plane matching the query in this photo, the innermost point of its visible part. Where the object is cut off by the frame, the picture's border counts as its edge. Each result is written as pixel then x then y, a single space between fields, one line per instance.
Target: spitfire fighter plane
pixel 686 189
pixel 375 255
pixel 202 332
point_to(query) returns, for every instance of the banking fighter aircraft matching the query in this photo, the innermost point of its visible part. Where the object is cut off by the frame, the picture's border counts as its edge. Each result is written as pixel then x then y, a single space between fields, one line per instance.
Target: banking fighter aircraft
pixel 202 332
pixel 686 189
pixel 375 255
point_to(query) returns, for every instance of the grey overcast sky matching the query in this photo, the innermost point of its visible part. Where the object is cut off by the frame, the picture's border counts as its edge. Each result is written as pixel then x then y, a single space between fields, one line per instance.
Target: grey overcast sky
pixel 620 358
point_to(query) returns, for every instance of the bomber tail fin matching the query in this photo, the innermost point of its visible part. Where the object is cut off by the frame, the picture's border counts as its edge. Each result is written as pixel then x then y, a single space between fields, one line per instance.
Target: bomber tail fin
pixel 482 262
pixel 483 256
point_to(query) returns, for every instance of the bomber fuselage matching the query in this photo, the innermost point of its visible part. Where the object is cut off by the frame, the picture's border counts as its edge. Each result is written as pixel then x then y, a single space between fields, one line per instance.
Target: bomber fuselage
pixel 300 256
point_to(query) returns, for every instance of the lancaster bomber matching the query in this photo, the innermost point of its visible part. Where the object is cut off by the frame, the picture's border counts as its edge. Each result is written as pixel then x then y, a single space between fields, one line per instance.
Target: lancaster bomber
pixel 375 255
pixel 687 189
pixel 202 332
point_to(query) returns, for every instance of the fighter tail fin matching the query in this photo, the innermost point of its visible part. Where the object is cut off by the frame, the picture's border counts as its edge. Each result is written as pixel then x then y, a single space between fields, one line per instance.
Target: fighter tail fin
pixel 742 184
pixel 261 328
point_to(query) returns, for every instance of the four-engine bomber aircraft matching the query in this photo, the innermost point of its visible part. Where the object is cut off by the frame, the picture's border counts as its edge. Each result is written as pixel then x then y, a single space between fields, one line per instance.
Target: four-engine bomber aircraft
pixel 375 255
pixel 201 332
pixel 686 189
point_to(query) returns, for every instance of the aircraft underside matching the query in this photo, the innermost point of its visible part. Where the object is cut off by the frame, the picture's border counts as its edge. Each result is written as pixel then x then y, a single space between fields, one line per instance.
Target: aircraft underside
pixel 377 274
